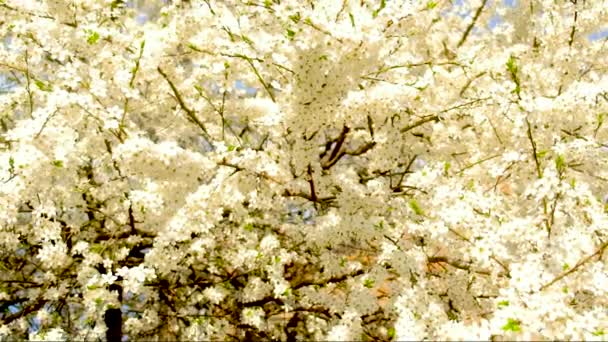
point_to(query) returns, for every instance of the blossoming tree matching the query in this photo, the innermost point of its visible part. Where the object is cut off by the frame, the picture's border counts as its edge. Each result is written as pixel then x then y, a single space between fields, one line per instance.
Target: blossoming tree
pixel 319 170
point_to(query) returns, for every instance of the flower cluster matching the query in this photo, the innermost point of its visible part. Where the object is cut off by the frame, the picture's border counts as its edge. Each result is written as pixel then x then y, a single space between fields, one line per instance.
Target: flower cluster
pixel 341 170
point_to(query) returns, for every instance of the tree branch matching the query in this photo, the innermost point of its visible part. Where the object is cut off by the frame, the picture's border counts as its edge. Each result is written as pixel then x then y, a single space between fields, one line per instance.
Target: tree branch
pixel 189 112
pixel 472 24
pixel 583 261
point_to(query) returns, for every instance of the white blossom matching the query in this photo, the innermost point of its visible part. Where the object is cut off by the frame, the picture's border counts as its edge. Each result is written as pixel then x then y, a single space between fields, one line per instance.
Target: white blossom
pixel 438 163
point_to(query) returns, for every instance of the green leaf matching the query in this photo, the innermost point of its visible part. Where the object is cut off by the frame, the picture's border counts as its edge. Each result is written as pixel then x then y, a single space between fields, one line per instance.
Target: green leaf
pixel 369 283
pixel 352 19
pixel 57 163
pixel 379 225
pixel 96 248
pixel 471 185
pixel 247 39
pixel 511 66
pixel 600 118
pixel 290 34
pixel 431 4
pixel 512 325
pixel 560 163
pixel 416 207
pixel 11 165
pixel 231 148
pixel 248 227
pixel 598 332
pixel 42 86
pixel 541 154
pixel 446 167
pixel 194 47
pixel 382 6
pixel 517 89
pixel 93 37
pixel 117 3
pixel 503 303
pixel 391 333
pixel 295 17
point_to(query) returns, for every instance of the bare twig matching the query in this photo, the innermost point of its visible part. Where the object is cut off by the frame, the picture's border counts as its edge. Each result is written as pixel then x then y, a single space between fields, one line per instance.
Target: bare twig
pixel 472 24
pixel 583 261
pixel 421 122
pixel 573 31
pixel 28 84
pixel 539 172
pixel 189 112
pixel 265 85
pixel 460 265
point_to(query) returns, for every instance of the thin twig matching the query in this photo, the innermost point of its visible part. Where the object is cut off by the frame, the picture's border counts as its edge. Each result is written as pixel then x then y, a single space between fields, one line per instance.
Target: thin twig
pixel 191 114
pixel 573 31
pixel 583 261
pixel 539 172
pixel 265 85
pixel 420 122
pixel 472 24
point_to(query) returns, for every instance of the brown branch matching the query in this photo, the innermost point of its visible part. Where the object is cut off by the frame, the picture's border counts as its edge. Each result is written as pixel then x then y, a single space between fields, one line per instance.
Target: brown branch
pixel 583 261
pixel 573 31
pixel 337 152
pixel 190 113
pixel 463 105
pixel 408 168
pixel 478 162
pixel 38 15
pixel 421 122
pixel 113 320
pixel 225 162
pixel 339 143
pixel 311 181
pixel 335 279
pixel 32 307
pixel 256 72
pixel 469 82
pixel 539 172
pixel 472 24
pixel 507 272
pixel 28 84
pixel 362 149
pixel 459 265
pixel 306 196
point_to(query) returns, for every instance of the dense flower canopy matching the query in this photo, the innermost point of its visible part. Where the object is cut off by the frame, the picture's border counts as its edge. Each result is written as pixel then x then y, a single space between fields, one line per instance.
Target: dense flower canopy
pixel 319 170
